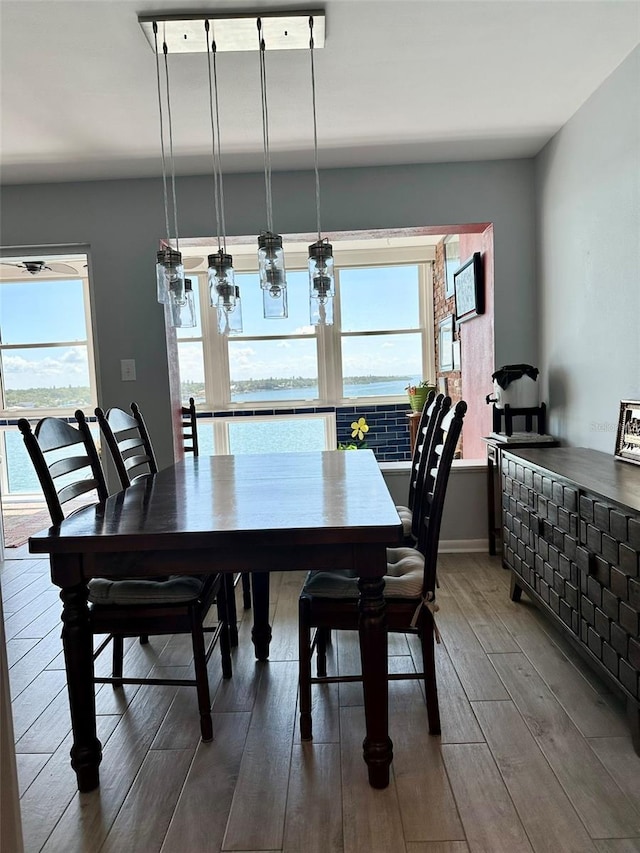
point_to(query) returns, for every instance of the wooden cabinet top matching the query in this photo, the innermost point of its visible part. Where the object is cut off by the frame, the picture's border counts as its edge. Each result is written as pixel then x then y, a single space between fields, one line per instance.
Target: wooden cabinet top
pixel 590 470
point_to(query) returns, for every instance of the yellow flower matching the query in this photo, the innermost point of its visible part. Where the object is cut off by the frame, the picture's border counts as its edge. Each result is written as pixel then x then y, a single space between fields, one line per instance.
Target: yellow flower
pixel 359 428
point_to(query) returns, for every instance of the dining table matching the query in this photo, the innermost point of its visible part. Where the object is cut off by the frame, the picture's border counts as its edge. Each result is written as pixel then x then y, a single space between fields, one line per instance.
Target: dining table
pixel 251 512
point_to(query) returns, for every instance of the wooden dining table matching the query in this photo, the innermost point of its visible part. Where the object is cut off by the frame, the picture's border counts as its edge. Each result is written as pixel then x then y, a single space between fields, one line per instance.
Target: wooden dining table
pixel 258 513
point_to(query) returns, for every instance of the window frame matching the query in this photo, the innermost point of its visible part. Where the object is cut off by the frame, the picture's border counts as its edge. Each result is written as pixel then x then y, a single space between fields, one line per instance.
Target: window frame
pixel 215 350
pixel 60 411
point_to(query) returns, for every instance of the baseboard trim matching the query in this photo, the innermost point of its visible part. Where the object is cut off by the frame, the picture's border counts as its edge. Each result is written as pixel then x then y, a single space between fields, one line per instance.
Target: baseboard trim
pixel 463 546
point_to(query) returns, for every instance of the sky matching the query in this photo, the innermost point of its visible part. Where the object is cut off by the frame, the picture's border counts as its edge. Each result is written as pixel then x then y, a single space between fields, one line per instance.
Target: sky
pixel 370 300
pixel 43 311
pixel 40 310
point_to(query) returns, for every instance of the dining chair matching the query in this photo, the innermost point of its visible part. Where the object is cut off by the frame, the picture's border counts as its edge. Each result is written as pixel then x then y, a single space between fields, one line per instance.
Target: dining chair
pixel 129 444
pixel 329 599
pixel 421 447
pixel 189 428
pixel 68 467
pixel 190 445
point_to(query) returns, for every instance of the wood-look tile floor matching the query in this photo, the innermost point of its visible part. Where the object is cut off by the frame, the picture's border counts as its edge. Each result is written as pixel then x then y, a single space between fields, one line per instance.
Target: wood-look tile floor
pixel 534 754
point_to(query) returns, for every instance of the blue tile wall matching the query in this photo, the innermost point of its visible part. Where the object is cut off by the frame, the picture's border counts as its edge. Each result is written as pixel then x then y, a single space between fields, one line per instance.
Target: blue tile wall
pixel 388 434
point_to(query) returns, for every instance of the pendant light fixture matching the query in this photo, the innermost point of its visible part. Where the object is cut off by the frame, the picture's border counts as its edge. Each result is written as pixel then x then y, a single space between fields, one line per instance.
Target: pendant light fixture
pixel 183 315
pixel 270 254
pixel 321 281
pixel 223 293
pixel 169 268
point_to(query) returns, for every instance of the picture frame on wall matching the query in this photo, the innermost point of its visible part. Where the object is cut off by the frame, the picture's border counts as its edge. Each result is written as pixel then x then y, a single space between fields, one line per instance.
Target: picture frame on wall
pixel 445 344
pixel 628 435
pixel 468 285
pixel 451 262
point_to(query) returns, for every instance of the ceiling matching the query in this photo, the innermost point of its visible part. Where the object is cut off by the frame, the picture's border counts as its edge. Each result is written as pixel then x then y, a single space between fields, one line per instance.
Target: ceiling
pixel 399 81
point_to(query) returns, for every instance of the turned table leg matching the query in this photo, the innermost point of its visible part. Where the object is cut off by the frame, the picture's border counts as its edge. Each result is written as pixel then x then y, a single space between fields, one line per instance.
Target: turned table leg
pixel 261 631
pixel 377 746
pixel 86 752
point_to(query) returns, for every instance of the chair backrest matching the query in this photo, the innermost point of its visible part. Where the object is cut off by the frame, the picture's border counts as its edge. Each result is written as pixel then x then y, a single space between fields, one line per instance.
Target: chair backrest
pixel 128 441
pixel 66 462
pixel 427 459
pixel 434 489
pixel 423 439
pixel 189 428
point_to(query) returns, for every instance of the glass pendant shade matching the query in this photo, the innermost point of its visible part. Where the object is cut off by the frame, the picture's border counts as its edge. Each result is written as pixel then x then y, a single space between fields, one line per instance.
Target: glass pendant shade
pixel 223 293
pixel 321 283
pixel 230 319
pixel 184 316
pixel 272 273
pixel 170 277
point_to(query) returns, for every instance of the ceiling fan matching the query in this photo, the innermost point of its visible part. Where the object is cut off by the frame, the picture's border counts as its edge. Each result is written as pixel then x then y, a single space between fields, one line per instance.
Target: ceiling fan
pixel 36 267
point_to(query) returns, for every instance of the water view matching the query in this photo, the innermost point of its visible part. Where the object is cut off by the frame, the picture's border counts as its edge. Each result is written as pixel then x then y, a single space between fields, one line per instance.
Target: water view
pixel 246 435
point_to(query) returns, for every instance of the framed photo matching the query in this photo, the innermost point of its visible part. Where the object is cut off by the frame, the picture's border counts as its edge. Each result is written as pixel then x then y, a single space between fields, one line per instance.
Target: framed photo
pixel 451 262
pixel 445 344
pixel 468 285
pixel 628 437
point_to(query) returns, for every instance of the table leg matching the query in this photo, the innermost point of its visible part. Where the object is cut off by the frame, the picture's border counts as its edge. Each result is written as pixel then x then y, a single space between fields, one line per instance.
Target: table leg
pixel 86 752
pixel 377 746
pixel 261 631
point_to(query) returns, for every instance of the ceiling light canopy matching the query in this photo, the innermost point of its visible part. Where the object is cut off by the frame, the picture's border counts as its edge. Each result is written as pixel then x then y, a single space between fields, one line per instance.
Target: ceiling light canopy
pixel 281 30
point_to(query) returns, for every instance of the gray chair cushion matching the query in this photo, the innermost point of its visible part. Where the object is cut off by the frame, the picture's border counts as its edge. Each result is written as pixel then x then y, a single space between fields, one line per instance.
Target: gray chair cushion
pixel 406 517
pixel 174 590
pixel 404 577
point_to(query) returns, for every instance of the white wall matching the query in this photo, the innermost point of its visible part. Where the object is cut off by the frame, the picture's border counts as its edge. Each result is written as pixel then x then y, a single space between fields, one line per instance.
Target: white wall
pixel 588 200
pixel 121 222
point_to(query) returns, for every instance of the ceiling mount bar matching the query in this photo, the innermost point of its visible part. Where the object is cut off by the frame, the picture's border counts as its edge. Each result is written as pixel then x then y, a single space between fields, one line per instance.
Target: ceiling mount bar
pixel 288 30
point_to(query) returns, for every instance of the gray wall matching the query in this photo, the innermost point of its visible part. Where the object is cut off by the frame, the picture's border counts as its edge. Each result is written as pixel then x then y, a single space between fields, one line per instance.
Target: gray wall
pixel 121 222
pixel 588 199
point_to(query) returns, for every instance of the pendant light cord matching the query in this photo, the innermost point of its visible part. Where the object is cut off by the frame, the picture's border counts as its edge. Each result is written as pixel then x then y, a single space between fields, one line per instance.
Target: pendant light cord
pixel 265 127
pixel 315 126
pixel 165 50
pixel 214 157
pixel 164 161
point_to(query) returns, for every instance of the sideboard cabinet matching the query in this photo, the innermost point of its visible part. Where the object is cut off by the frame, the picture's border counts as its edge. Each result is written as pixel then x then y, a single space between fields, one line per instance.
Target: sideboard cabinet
pixel 571 538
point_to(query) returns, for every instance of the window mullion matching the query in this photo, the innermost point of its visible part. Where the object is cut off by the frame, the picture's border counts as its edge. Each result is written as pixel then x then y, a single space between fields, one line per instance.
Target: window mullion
pixel 215 354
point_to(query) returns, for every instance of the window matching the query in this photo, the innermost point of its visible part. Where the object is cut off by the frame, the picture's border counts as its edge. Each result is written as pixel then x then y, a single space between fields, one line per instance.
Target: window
pixel 46 354
pixel 288 376
pixel 381 341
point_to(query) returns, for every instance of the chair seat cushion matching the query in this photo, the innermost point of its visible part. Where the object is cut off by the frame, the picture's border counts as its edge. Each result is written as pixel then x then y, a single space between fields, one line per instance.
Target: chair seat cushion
pixel 176 589
pixel 404 577
pixel 406 517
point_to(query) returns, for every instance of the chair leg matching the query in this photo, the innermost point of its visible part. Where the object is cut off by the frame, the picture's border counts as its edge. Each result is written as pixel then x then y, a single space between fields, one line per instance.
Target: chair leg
pixel 232 614
pixel 202 679
pixel 245 579
pixel 144 639
pixel 118 656
pixel 223 619
pixel 304 678
pixel 322 637
pixel 430 684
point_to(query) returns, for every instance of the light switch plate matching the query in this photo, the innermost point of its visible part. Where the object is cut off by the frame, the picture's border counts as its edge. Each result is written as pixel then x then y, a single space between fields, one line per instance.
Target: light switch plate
pixel 128 369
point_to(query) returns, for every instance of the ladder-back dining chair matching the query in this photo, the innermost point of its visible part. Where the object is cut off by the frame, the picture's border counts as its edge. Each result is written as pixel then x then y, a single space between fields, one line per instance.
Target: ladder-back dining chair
pixel 129 444
pixel 68 468
pixel 189 427
pixel 424 434
pixel 329 600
